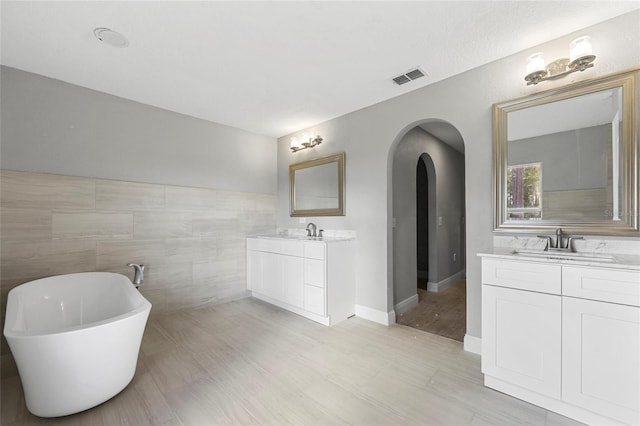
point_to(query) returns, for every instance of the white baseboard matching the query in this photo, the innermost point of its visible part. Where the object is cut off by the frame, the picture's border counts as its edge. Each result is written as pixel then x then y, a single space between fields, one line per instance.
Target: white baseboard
pixel 472 344
pixel 446 282
pixel 406 304
pixel 381 317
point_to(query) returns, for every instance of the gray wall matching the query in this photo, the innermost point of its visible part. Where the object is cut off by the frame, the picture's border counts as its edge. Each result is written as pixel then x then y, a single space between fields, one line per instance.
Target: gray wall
pixel 54 127
pixel 445 238
pixel 576 159
pixel 127 182
pixel 369 138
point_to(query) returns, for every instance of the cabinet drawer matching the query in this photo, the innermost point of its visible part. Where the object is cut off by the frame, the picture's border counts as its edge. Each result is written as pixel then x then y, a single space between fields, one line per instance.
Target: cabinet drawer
pixel 532 276
pixel 314 299
pixel 609 285
pixel 290 248
pixel 314 250
pixel 314 272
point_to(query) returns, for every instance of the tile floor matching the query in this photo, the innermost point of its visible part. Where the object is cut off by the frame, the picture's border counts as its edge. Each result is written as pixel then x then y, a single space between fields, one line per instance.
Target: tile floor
pixel 246 362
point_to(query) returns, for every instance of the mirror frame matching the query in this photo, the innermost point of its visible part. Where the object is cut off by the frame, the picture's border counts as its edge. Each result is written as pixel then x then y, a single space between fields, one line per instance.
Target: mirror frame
pixel 339 211
pixel 627 80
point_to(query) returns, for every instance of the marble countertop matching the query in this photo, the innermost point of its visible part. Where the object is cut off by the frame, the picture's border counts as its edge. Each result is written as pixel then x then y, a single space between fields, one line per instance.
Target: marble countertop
pixel 600 260
pixel 294 237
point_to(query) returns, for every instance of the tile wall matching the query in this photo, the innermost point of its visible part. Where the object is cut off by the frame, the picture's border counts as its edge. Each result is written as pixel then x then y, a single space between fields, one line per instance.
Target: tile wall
pixel 192 240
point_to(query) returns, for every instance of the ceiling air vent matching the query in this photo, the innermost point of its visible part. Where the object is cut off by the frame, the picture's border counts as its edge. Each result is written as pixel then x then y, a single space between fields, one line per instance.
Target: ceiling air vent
pixel 409 76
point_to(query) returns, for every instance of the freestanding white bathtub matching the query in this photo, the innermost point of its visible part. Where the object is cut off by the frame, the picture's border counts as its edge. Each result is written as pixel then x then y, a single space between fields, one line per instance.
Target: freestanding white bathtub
pixel 75 339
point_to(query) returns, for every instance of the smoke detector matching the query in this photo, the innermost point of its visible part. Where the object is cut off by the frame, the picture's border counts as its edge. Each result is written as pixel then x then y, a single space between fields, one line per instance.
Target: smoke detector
pixel 409 76
pixel 110 37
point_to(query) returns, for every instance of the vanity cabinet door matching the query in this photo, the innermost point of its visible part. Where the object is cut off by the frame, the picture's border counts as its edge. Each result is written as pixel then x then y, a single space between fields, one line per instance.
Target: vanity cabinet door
pixel 275 275
pixel 601 358
pixel 292 280
pixel 271 270
pixel 254 271
pixel 521 338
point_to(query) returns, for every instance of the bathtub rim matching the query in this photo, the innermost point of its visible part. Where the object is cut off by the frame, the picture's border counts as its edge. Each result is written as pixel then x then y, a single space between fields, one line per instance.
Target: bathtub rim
pixel 141 307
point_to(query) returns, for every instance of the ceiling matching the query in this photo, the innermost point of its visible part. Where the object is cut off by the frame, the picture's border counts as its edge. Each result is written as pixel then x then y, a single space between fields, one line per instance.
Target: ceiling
pixel 277 67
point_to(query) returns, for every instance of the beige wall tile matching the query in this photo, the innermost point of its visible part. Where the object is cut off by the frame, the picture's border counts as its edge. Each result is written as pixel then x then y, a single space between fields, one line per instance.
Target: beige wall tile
pixel 162 224
pixel 95 224
pixel 239 201
pixel 116 254
pixel 205 224
pixel 168 275
pixel 183 198
pixel 157 298
pixel 116 195
pixel 217 271
pixel 36 190
pixel 266 203
pixel 213 223
pixel 24 224
pixel 25 261
pixel 192 240
pixel 192 249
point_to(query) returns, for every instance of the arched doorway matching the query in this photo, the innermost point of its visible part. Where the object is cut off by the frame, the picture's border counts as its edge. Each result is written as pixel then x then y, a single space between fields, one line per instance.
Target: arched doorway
pixel 428 219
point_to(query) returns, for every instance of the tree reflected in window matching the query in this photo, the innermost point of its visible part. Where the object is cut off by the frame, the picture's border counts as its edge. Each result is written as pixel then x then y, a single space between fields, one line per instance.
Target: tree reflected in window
pixel 524 189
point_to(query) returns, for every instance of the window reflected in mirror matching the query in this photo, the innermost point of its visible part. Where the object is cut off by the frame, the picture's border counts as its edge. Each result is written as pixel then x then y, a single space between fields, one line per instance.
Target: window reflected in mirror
pixel 524 186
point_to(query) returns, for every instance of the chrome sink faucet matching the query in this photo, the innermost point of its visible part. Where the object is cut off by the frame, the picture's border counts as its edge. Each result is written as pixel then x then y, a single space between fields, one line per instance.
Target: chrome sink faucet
pixel 558 238
pixel 558 244
pixel 311 232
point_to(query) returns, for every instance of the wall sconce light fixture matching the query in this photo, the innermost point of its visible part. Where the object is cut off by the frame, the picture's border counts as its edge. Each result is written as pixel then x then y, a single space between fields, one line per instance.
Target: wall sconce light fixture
pixel 580 58
pixel 305 142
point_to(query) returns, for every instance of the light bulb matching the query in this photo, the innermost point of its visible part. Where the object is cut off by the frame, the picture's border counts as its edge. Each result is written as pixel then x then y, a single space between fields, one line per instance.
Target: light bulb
pixel 580 48
pixel 535 63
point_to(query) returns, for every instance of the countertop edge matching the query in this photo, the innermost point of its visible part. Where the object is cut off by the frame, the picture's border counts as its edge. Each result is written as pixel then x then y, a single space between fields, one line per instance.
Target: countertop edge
pixel 628 262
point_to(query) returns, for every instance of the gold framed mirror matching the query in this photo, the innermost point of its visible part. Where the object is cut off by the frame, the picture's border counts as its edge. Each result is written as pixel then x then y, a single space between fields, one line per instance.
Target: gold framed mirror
pixel 316 187
pixel 568 157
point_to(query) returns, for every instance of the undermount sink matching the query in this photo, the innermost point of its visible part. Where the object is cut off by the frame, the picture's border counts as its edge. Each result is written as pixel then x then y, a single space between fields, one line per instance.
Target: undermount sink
pixel 285 237
pixel 567 255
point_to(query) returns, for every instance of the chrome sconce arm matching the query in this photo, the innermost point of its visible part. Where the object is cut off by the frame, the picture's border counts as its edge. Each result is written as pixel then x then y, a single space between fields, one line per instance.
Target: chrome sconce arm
pixel 307 142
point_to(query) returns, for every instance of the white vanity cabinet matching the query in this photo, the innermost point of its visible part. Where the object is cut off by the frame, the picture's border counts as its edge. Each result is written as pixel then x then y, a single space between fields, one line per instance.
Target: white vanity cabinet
pixel 564 337
pixel 312 278
pixel 520 324
pixel 601 341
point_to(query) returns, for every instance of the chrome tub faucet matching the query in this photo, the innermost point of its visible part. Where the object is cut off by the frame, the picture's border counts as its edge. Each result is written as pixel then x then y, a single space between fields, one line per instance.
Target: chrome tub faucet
pixel 138 275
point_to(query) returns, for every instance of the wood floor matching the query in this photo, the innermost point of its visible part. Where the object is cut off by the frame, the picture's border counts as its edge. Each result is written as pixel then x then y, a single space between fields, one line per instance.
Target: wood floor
pixel 443 312
pixel 247 362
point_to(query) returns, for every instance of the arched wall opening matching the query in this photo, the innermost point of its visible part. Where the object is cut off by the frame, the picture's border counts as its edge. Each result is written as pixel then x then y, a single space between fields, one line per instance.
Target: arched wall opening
pixel 440 146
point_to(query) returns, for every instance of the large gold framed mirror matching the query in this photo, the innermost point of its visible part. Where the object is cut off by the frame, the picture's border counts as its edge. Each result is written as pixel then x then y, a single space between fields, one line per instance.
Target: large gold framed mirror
pixel 568 157
pixel 316 187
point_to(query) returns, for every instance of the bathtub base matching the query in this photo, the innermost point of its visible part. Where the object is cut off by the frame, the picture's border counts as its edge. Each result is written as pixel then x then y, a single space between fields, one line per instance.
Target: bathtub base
pixel 75 339
pixel 76 371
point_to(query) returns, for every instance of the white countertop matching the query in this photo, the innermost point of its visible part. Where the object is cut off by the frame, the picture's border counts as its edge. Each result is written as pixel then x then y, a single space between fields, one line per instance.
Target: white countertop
pixel 600 260
pixel 291 237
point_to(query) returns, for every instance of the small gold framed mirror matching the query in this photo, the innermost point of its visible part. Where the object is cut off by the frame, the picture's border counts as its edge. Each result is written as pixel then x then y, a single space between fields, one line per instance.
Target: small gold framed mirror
pixel 316 187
